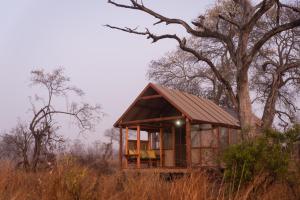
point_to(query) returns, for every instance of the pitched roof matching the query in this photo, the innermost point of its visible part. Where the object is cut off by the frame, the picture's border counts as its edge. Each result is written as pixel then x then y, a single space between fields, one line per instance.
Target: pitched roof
pixel 193 107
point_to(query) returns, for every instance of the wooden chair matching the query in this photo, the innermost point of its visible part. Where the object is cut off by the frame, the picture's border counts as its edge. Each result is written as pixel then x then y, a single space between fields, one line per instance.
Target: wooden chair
pixel 152 157
pixel 146 155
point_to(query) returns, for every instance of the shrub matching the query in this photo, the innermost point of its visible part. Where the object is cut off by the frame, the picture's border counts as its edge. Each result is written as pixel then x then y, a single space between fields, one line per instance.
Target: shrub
pixel 269 154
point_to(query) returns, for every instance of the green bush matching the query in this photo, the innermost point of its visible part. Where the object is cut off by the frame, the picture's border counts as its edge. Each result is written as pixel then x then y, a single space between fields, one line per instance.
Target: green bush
pixel 269 153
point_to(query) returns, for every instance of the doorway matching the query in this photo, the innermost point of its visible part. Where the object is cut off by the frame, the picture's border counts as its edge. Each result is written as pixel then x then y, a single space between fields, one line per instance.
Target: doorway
pixel 180 146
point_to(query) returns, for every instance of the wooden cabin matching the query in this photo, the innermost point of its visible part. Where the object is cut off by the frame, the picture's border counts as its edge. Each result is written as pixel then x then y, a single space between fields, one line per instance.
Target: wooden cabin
pixel 174 129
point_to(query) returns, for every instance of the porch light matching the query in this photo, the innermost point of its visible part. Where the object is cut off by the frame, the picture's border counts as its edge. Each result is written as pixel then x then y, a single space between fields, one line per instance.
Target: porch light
pixel 178 123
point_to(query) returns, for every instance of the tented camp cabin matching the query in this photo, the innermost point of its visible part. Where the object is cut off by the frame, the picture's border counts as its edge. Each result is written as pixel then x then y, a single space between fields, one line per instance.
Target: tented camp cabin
pixel 166 128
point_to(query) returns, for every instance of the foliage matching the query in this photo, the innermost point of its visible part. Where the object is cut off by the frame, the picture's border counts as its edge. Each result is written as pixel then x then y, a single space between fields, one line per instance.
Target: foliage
pixel 269 154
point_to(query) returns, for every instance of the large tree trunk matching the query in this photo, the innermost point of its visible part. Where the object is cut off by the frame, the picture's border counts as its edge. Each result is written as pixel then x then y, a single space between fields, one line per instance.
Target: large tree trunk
pixel 36 152
pixel 244 103
pixel 243 95
pixel 270 105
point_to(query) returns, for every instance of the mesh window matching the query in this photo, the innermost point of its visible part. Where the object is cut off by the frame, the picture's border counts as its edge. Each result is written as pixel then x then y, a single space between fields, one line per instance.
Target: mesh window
pixel 223 138
pixel 167 138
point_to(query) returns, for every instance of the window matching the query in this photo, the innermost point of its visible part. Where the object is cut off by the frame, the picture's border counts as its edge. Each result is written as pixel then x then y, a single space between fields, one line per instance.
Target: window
pixel 202 136
pixel 167 138
pixel 195 136
pixel 233 136
pixel 154 140
pixel 207 138
pixel 224 138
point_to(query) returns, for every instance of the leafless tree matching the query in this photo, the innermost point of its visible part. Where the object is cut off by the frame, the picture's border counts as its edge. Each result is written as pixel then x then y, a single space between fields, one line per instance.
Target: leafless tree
pixel 16 145
pixel 43 124
pixel 232 23
pixel 180 70
pixel 277 60
pixel 276 74
pixel 112 134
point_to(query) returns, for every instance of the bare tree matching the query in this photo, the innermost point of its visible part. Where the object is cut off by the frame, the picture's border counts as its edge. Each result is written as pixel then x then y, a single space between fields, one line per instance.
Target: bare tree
pixel 112 134
pixel 276 78
pixel 274 75
pixel 16 145
pixel 231 23
pixel 42 125
pixel 180 70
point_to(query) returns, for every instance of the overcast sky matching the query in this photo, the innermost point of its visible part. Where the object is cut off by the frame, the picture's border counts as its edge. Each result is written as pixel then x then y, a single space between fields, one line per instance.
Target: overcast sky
pixel 110 66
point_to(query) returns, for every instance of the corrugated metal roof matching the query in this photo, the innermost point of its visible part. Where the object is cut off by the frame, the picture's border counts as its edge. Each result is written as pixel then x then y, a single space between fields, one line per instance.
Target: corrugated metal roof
pixel 197 108
pixel 193 107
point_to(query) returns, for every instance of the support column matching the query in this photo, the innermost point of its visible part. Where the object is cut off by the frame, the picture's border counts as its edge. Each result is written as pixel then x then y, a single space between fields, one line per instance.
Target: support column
pixel 149 146
pixel 149 140
pixel 174 145
pixel 229 135
pixel 161 146
pixel 126 147
pixel 138 146
pixel 219 144
pixel 121 148
pixel 188 143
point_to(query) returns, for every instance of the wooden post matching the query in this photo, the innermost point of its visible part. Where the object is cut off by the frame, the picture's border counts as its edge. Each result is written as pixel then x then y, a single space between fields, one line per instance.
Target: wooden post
pixel 229 136
pixel 121 148
pixel 188 143
pixel 218 133
pixel 173 145
pixel 126 146
pixel 149 140
pixel 219 144
pixel 138 146
pixel 149 147
pixel 161 146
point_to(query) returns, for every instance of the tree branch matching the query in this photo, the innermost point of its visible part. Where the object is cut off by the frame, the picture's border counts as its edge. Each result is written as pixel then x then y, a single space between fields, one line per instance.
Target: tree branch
pixel 270 34
pixel 291 66
pixel 161 18
pixel 230 21
pixel 204 32
pixel 182 45
pixel 263 8
pixel 295 9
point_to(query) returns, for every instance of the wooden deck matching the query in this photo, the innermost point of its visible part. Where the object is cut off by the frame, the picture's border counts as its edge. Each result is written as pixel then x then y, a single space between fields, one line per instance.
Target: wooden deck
pixel 158 170
pixel 167 174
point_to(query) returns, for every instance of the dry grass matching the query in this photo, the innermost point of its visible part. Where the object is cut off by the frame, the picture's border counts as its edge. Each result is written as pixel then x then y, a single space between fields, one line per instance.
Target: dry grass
pixel 71 181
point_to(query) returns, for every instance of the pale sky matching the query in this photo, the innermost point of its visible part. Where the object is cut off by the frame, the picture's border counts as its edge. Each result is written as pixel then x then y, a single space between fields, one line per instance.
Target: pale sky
pixel 110 66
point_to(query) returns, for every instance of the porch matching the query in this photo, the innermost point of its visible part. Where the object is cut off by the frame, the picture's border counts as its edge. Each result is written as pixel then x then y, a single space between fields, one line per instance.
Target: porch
pixel 162 146
pixel 171 148
pixel 166 129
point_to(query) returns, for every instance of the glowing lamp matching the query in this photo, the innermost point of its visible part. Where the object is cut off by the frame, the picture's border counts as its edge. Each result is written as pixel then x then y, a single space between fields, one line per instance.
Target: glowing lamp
pixel 178 123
